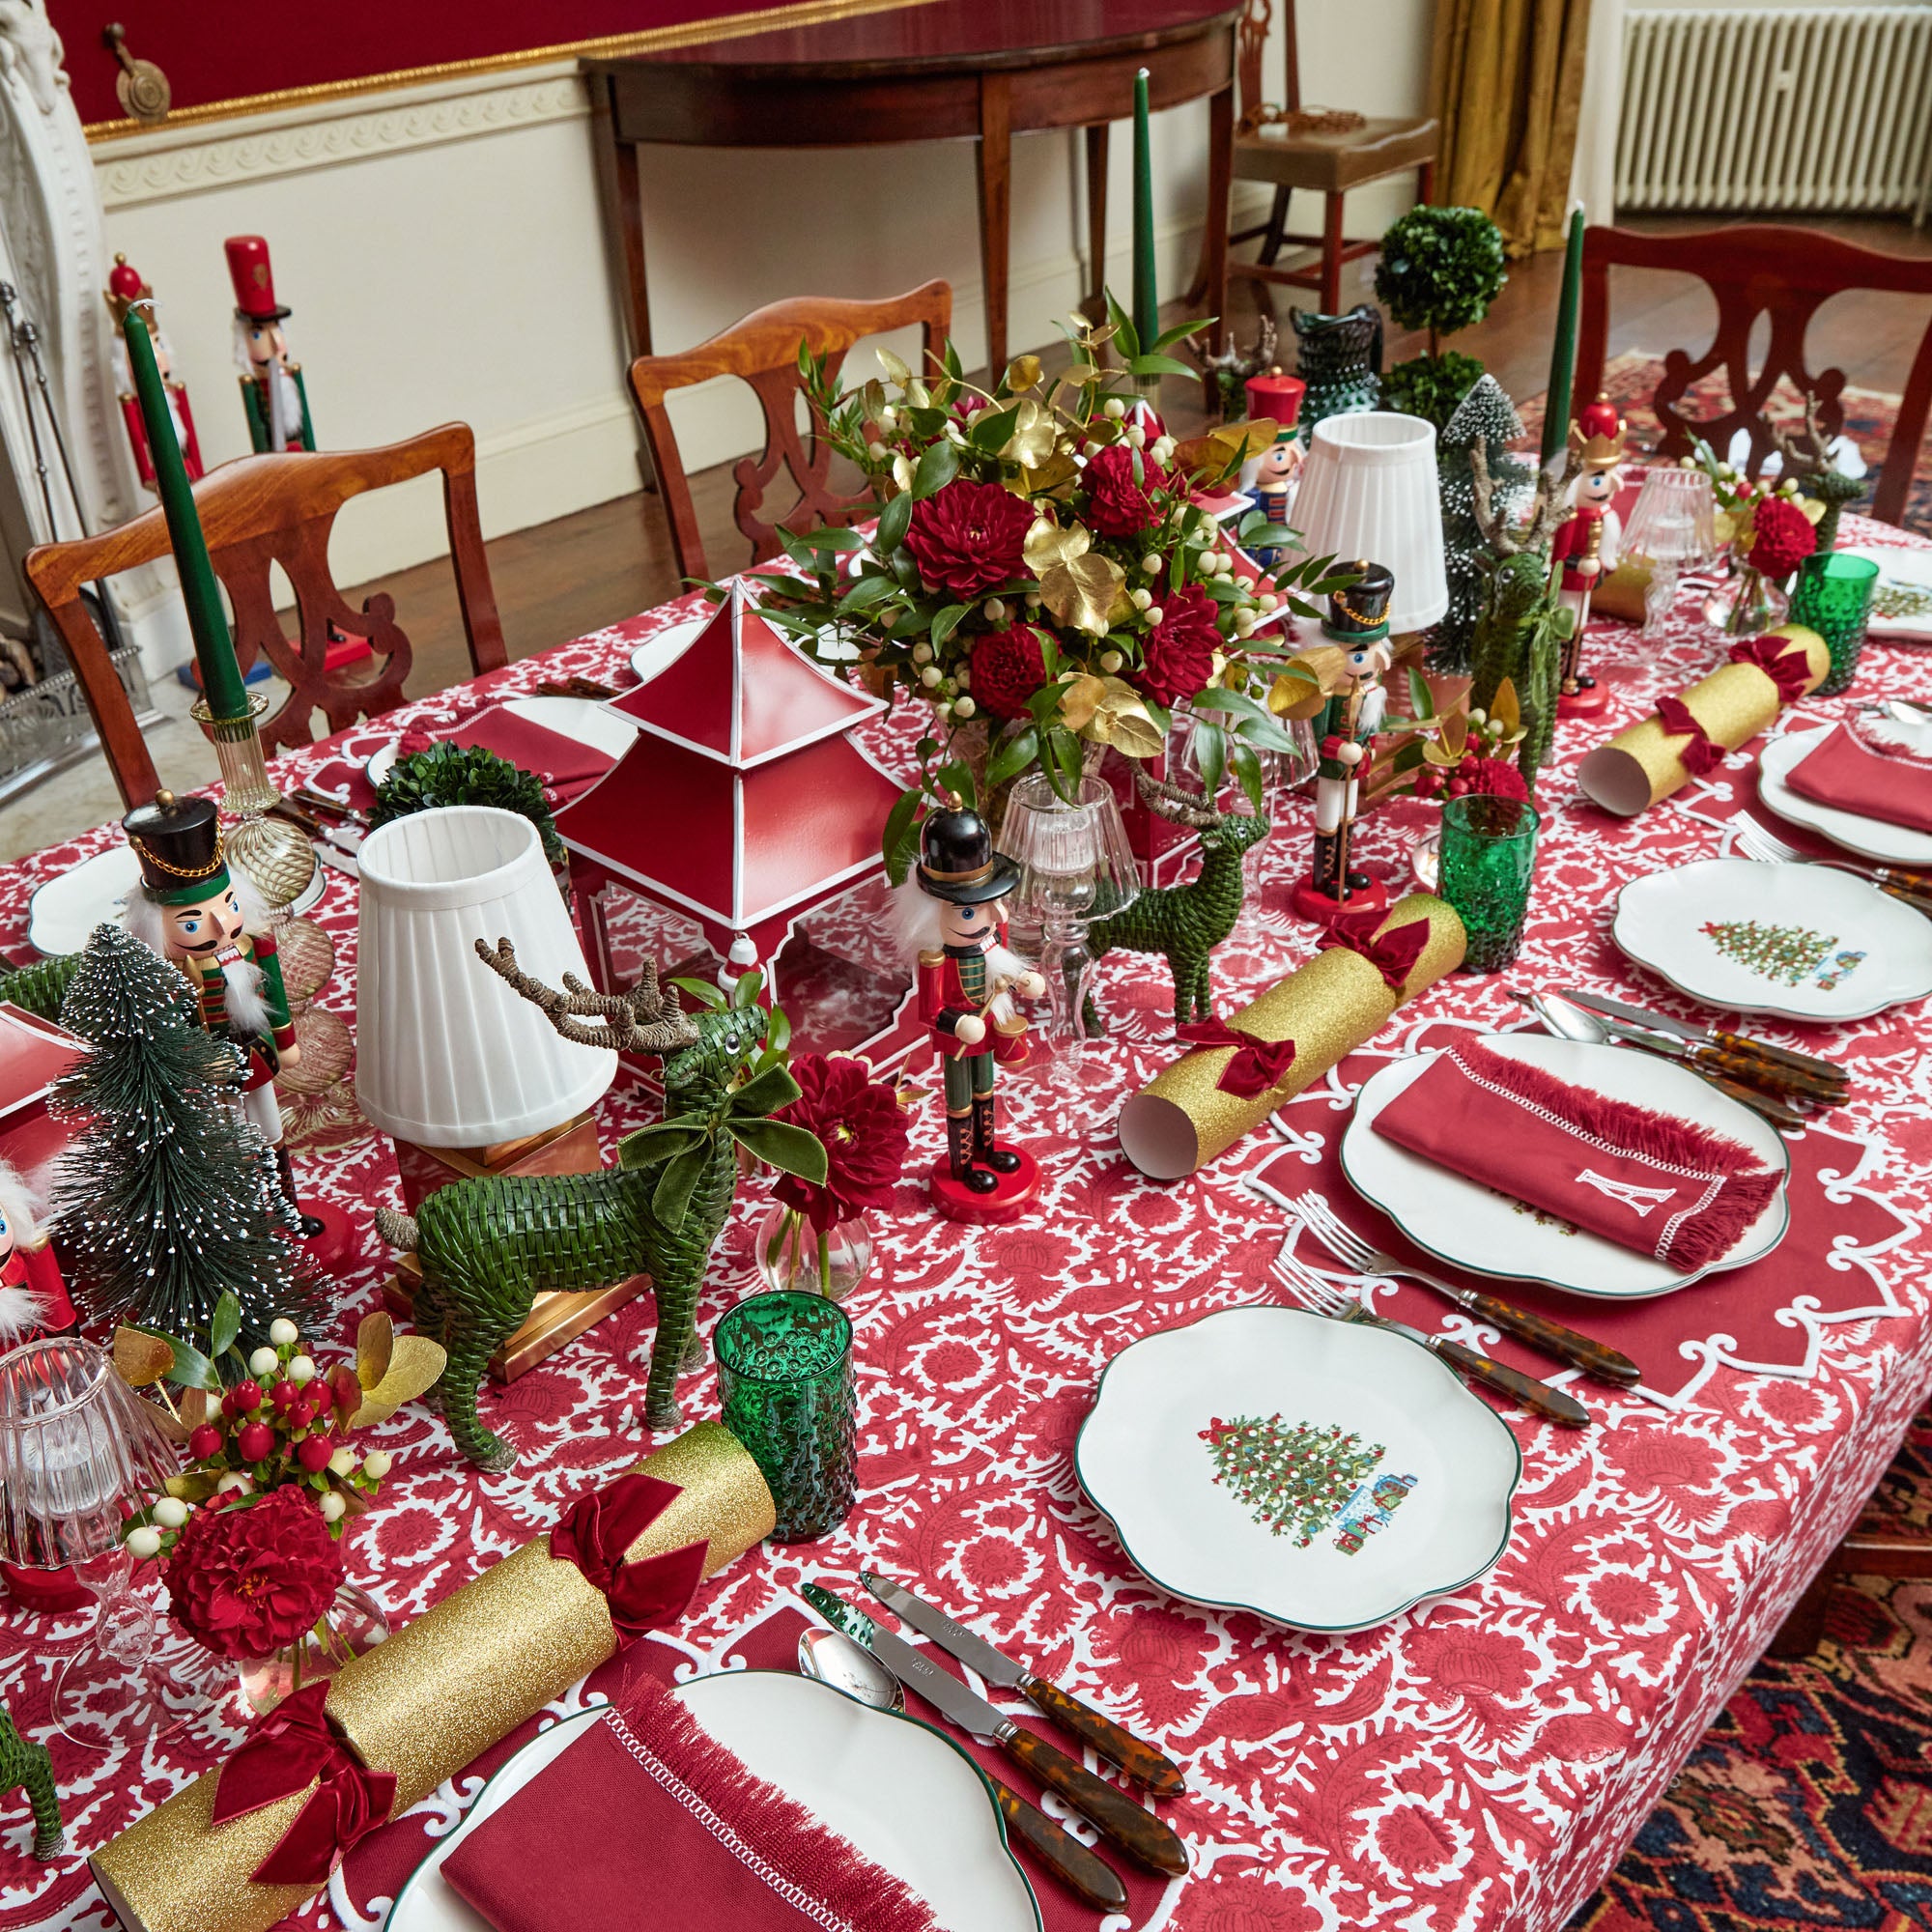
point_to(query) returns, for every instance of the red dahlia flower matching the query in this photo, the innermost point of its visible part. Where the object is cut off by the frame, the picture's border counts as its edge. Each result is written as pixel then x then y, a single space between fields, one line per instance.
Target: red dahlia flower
pixel 1117 504
pixel 247 1582
pixel 1006 668
pixel 864 1130
pixel 1487 778
pixel 1179 650
pixel 966 538
pixel 1781 537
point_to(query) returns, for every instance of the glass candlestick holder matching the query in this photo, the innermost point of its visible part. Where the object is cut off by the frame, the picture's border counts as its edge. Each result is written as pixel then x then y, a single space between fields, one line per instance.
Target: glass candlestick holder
pixel 278 860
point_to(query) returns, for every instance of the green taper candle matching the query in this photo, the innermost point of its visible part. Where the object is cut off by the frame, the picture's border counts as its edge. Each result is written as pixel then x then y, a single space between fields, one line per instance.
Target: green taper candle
pixel 1563 359
pixel 1147 299
pixel 213 648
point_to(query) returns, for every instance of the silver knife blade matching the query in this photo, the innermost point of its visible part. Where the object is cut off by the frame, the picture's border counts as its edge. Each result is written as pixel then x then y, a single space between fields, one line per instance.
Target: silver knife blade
pixel 1639 1016
pixel 939 1688
pixel 973 1652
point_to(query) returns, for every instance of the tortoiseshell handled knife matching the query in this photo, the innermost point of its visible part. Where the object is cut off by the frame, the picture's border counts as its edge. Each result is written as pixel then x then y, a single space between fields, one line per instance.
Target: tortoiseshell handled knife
pixel 1140 1761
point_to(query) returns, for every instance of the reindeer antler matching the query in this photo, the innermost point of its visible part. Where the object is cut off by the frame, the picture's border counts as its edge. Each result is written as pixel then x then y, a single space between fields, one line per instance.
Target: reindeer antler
pixel 642 1021
pixel 1176 807
pixel 1547 510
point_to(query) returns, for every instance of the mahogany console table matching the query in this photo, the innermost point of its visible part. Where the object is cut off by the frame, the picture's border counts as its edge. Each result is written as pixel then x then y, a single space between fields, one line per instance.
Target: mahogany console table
pixel 942 70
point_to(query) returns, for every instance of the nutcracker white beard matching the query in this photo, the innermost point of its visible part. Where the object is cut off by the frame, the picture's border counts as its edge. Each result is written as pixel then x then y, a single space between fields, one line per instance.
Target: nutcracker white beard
pixel 246 1006
pixel 22 1312
pixel 917 915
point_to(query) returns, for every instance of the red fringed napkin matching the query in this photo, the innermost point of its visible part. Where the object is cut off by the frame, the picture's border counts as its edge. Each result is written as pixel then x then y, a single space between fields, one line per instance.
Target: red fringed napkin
pixel 646 1823
pixel 1644 1179
pixel 1850 777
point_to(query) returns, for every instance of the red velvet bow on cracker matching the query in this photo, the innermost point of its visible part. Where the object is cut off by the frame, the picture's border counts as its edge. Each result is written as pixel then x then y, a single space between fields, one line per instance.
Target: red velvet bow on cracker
pixel 1258 1066
pixel 1700 754
pixel 1783 662
pixel 598 1529
pixel 1392 954
pixel 289 1748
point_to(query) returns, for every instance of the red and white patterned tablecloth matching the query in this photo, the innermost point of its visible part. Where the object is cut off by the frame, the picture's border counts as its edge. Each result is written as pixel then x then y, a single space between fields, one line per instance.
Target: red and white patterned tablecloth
pixel 1478 1762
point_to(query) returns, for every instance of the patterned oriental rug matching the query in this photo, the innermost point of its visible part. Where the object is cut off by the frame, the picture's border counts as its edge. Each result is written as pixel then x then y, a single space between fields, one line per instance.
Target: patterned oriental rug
pixel 1809 1802
pixel 1869 416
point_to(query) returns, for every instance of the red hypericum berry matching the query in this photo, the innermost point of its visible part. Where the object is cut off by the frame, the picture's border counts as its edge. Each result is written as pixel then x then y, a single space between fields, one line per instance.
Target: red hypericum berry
pixel 285 1394
pixel 245 1396
pixel 256 1441
pixel 313 1453
pixel 204 1442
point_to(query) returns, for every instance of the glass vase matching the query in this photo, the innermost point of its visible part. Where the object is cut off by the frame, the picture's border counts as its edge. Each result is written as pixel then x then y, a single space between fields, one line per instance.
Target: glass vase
pixel 1834 598
pixel 1489 853
pixel 1749 606
pixel 351 1625
pixel 793 1254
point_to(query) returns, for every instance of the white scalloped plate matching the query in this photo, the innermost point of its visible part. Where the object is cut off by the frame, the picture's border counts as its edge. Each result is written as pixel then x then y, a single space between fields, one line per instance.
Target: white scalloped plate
pixel 1878 952
pixel 1461 1221
pixel 1869 837
pixel 1431 1514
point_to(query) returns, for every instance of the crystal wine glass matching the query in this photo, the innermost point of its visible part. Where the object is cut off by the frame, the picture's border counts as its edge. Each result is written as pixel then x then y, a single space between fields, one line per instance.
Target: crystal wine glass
pixel 1075 866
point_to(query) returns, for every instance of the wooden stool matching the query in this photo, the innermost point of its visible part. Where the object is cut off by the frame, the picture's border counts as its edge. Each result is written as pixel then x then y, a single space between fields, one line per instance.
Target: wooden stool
pixel 1327 164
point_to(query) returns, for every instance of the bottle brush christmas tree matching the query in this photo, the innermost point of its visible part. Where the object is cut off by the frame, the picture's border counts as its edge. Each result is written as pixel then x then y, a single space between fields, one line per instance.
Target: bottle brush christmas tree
pixel 166 1199
pixel 1485 419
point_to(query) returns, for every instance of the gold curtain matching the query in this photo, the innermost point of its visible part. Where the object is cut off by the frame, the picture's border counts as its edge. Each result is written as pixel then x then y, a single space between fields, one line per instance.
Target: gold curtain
pixel 1508 80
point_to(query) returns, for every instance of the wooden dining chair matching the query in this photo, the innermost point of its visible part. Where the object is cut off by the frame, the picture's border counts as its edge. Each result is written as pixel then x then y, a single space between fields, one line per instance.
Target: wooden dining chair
pixel 762 351
pixel 1289 151
pixel 264 510
pixel 1784 273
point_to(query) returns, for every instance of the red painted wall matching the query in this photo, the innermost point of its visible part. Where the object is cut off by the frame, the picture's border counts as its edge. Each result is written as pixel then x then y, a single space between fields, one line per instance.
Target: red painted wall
pixel 211 54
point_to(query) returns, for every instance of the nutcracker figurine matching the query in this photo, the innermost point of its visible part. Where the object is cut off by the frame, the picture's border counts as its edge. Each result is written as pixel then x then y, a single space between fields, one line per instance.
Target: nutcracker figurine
pixel 125 288
pixel 198 916
pixel 1344 731
pixel 1586 545
pixel 967 979
pixel 33 1293
pixel 274 395
pixel 1269 481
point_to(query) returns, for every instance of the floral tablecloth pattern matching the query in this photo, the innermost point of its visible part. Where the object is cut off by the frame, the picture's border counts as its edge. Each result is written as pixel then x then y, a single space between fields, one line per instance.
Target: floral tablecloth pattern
pixel 1478 1762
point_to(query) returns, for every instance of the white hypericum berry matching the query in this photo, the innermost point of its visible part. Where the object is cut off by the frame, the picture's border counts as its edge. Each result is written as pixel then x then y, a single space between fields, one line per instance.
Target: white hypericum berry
pixel 1245 620
pixel 1137 437
pixel 170 1512
pixel 1154 613
pixel 1111 662
pixel 887 417
pixel 1269 601
pixel 343 1461
pixel 877 451
pixel 963 707
pixel 282 1331
pixel 234 1481
pixel 264 1362
pixel 995 609
pixel 1163 448
pixel 378 1463
pixel 1114 407
pixel 144 1542
pixel 921 654
pixel 929 677
pixel 1141 599
pixel 332 1507
pixel 301 1370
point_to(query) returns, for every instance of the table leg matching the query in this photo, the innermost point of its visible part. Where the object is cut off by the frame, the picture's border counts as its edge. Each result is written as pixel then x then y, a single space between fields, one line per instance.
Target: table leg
pixel 996 211
pixel 1095 304
pixel 1220 195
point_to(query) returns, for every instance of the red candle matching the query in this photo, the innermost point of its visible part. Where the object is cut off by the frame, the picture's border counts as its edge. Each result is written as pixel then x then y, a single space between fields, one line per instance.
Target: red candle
pixel 1276 397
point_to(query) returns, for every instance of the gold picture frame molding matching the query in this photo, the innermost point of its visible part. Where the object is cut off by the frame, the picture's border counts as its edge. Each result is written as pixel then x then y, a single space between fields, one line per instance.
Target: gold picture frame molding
pixel 653 40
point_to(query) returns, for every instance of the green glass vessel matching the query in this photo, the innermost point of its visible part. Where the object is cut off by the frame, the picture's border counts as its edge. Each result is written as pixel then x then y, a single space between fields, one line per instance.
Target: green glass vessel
pixel 1834 597
pixel 784 1375
pixel 1488 854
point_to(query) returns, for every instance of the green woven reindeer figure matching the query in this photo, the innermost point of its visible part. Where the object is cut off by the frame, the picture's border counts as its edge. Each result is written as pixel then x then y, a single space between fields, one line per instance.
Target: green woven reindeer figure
pixel 488 1247
pixel 29 1766
pixel 1184 924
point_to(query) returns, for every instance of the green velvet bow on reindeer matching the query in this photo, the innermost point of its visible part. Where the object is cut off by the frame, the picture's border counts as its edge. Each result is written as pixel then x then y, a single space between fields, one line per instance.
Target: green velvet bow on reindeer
pixel 685 1145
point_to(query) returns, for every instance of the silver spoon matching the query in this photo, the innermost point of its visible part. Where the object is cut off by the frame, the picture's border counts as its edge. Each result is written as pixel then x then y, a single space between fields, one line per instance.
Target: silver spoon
pixel 833 1659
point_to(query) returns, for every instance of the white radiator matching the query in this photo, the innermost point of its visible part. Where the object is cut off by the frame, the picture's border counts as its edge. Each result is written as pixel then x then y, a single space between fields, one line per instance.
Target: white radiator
pixel 1782 109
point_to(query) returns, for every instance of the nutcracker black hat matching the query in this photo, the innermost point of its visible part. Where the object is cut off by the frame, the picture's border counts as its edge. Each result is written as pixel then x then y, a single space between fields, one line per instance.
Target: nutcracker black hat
pixel 1359 614
pixel 956 859
pixel 178 842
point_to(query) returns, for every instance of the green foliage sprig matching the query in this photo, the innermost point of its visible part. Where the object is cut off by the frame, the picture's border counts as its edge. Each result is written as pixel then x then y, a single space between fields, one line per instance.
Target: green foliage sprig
pixel 1430 387
pixel 467 774
pixel 1440 269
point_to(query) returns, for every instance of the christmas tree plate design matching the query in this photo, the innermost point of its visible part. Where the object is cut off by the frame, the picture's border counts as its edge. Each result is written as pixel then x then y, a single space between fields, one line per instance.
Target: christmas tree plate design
pixel 1804 942
pixel 1873 838
pixel 1323 1474
pixel 1477 1229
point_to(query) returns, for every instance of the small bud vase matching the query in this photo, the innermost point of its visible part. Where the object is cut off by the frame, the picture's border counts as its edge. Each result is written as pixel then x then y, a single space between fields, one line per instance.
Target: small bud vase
pixel 351 1625
pixel 792 1253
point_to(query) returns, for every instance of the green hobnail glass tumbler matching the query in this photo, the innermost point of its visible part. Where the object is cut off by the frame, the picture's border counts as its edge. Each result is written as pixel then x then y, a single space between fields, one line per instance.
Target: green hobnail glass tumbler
pixel 784 1375
pixel 1489 852
pixel 1834 598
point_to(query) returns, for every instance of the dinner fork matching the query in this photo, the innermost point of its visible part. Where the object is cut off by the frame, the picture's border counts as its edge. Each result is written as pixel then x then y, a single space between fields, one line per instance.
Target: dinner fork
pixel 1320 1296
pixel 1361 1256
pixel 1757 842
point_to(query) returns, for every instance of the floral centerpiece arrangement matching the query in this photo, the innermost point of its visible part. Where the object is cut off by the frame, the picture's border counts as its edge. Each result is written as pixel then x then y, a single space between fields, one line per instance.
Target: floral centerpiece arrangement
pixel 1044 576
pixel 250 1532
pixel 816 1237
pixel 1769 527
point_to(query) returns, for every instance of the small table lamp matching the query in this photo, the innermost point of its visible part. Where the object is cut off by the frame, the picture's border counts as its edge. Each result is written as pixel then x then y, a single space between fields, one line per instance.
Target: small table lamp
pixel 1672 529
pixel 1369 489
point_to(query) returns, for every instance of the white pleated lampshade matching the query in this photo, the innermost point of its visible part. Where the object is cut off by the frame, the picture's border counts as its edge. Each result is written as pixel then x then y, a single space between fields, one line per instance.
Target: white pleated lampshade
pixel 1368 490
pixel 446 1053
